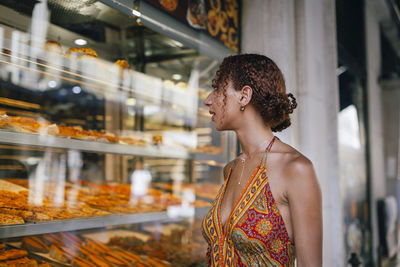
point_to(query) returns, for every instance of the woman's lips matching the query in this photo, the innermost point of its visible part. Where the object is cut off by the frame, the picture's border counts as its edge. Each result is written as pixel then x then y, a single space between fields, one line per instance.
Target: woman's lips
pixel 212 115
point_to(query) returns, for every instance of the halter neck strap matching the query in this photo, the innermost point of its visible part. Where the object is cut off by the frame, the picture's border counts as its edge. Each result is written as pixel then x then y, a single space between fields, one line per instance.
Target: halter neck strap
pixel 268 149
pixel 263 161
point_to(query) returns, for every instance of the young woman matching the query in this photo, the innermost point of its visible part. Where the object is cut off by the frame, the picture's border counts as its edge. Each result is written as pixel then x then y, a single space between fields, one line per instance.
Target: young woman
pixel 268 211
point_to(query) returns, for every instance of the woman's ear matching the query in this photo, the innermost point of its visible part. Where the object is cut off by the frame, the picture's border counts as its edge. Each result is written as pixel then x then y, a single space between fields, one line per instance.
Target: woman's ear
pixel 246 94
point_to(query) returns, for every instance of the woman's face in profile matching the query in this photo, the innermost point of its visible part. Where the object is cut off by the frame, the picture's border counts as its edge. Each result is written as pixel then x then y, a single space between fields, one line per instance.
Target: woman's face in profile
pixel 223 105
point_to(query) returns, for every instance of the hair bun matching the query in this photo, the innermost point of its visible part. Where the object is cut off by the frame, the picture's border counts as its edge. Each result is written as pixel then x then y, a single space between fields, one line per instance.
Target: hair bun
pixel 293 102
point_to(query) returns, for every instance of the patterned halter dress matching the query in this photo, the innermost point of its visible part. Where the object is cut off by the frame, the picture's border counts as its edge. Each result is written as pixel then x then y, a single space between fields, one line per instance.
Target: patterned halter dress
pixel 255 234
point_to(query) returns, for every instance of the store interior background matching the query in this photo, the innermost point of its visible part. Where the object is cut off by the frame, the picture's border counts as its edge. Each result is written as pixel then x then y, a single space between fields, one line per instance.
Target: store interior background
pixel 341 59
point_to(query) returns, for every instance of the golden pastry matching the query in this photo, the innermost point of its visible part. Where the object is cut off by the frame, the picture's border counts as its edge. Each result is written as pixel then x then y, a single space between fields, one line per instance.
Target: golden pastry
pixel 169 5
pixel 233 38
pixel 80 51
pixel 53 46
pixel 212 23
pixel 122 63
pixel 33 243
pixel 6 219
pixel 223 21
pixel 215 4
pixel 11 254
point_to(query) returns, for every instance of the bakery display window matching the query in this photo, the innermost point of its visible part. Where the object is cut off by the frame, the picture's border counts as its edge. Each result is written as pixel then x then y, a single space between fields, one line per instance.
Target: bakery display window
pixel 107 155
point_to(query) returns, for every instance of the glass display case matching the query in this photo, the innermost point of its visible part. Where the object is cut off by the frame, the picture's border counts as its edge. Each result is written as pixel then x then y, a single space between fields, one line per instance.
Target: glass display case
pixel 107 155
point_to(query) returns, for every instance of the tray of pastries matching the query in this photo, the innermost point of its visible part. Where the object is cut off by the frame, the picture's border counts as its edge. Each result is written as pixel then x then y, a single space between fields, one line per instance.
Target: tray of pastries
pixel 80 201
pixel 71 249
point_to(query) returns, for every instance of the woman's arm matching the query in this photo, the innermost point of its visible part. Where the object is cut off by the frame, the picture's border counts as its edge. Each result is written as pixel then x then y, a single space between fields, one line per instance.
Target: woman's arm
pixel 305 206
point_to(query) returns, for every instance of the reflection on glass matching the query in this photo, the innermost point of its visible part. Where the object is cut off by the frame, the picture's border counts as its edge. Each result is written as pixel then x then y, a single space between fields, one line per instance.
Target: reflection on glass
pixel 140 180
pixel 352 174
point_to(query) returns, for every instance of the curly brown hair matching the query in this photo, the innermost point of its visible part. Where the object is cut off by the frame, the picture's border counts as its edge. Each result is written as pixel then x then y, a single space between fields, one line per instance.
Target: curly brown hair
pixel 266 79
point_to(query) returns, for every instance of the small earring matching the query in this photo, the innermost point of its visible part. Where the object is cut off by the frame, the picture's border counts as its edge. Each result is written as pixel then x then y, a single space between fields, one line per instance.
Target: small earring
pixel 242 108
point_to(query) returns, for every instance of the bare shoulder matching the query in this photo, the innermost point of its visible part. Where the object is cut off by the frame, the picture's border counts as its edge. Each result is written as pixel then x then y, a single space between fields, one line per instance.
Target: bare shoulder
pixel 296 168
pixel 227 168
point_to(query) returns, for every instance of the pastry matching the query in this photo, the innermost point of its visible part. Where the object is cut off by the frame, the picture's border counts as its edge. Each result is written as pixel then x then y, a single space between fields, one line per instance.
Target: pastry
pixel 6 219
pixel 169 5
pixel 119 261
pixel 127 255
pixel 81 262
pixel 98 261
pixel 223 21
pixel 27 215
pixel 70 239
pixel 196 14
pixel 80 51
pixel 122 63
pixel 215 4
pixel 233 37
pixel 11 254
pixel 98 246
pixel 34 244
pixel 212 23
pixel 23 262
pixel 51 239
pixel 4 119
pixel 53 46
pixel 224 39
pixel 57 254
pixel 26 124
pixel 85 251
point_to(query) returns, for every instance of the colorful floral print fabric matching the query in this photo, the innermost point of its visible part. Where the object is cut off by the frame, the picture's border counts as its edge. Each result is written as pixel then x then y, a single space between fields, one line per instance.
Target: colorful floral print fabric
pixel 255 234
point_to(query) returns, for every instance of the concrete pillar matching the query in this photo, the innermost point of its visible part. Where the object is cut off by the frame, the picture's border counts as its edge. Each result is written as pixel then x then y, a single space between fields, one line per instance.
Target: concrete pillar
pixel 300 36
pixel 268 27
pixel 319 106
pixel 375 119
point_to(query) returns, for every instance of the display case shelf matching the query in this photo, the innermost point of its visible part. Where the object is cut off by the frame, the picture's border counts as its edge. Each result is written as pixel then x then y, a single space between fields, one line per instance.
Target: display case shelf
pixel 20 230
pixel 28 139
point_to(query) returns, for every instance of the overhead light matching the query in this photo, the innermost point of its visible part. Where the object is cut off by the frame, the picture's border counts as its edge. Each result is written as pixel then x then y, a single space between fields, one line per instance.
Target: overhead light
pixel 80 42
pixel 76 89
pixel 52 84
pixel 130 102
pixel 176 77
pixel 136 13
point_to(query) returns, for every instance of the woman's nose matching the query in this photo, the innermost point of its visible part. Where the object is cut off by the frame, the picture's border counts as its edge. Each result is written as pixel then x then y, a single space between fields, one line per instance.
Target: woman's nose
pixel 207 101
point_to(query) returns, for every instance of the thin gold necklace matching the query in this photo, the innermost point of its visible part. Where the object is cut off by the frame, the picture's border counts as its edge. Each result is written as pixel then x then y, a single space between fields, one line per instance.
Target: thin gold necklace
pixel 243 160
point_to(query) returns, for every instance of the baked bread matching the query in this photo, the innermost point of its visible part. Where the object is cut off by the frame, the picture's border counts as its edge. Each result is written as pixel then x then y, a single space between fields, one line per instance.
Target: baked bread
pixel 23 262
pixel 53 46
pixel 212 22
pixel 81 262
pixel 98 261
pixel 71 239
pixel 169 5
pixel 24 124
pixel 51 239
pixel 4 119
pixel 6 219
pixel 98 246
pixel 85 251
pixel 11 254
pixel 80 51
pixel 57 254
pixel 27 215
pixel 127 255
pixel 122 63
pixel 122 261
pixel 33 243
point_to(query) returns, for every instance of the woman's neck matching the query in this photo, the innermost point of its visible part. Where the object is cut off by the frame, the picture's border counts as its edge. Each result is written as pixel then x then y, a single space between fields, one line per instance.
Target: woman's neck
pixel 254 139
